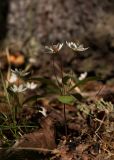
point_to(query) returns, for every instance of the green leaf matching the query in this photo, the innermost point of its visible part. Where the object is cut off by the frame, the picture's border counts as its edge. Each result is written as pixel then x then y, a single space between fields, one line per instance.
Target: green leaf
pixel 32 98
pixel 66 99
pixel 47 82
pixel 44 80
pixel 87 80
pixel 79 83
pixel 50 89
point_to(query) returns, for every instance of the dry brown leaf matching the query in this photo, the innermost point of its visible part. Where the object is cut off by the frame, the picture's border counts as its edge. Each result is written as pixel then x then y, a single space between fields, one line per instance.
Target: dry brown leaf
pixel 43 138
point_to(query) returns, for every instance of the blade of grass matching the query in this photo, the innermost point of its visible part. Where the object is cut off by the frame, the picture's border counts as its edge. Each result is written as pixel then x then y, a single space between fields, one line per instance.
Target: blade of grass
pixel 5 90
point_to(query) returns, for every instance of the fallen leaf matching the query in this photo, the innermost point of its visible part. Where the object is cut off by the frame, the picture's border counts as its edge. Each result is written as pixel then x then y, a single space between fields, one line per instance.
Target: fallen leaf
pixel 43 138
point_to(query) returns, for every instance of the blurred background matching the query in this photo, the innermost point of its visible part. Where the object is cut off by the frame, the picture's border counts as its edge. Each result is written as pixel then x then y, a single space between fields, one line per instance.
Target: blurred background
pixel 28 23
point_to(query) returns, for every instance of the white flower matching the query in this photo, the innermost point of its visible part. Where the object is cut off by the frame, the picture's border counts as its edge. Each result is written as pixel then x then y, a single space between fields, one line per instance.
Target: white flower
pixel 20 88
pixel 13 78
pixel 43 111
pixel 20 73
pixel 76 47
pixel 54 48
pixel 82 76
pixel 31 85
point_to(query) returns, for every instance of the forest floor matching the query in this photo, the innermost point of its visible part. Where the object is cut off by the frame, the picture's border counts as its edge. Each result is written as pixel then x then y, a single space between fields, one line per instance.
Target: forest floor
pixel 32 123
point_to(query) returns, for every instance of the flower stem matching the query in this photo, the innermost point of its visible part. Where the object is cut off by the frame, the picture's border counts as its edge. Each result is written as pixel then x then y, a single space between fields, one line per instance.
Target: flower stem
pixel 65 120
pixel 64 92
pixel 53 66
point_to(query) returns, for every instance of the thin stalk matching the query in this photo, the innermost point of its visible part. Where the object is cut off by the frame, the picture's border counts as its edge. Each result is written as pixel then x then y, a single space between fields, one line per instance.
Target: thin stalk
pixel 9 65
pixel 8 100
pixel 64 92
pixel 6 127
pixel 6 93
pixel 72 88
pixel 62 76
pixel 65 120
pixel 19 101
pixel 53 66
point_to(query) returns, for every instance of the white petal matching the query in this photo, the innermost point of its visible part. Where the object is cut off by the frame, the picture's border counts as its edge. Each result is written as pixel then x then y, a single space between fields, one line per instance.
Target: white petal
pixel 82 76
pixel 13 78
pixel 31 85
pixel 60 46
pixel 43 111
pixel 49 48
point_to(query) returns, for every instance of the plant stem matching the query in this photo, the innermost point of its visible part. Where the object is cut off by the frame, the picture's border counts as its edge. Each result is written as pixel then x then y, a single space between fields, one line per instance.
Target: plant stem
pixel 53 61
pixel 64 92
pixel 65 120
pixel 6 92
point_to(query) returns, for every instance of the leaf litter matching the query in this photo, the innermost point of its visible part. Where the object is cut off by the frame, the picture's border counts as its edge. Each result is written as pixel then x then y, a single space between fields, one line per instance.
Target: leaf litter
pixel 90 123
